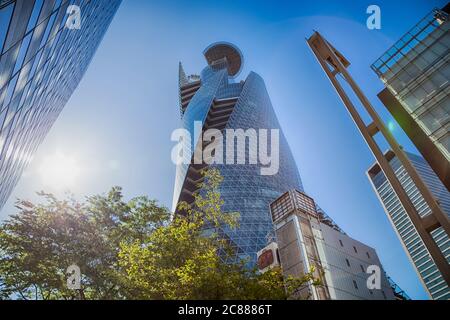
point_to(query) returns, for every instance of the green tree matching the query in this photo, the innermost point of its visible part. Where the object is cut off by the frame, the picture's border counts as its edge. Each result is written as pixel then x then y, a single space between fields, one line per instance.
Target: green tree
pixel 130 250
pixel 41 241
pixel 190 259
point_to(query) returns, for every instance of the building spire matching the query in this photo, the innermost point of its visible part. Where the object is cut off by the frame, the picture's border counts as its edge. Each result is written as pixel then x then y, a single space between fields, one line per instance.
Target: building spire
pixel 182 78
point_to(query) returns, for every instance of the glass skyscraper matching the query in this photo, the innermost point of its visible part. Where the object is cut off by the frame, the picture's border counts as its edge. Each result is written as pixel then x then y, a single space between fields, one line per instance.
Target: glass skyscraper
pixel 416 72
pixel 412 243
pixel 42 60
pixel 217 101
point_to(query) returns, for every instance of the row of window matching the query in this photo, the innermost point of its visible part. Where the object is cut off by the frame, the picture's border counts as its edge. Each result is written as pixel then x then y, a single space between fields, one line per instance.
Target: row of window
pixel 349 265
pixel 416 250
pixel 354 249
pixel 355 285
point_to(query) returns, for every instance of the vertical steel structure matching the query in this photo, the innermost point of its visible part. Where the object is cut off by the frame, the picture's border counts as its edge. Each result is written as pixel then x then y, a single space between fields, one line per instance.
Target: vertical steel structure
pixel 334 64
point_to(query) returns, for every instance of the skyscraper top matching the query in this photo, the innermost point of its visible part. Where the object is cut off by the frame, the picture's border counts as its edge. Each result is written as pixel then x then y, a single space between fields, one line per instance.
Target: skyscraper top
pixel 220 50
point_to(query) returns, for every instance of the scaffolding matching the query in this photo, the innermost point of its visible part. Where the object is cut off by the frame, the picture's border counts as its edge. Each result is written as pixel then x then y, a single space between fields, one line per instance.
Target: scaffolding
pixel 398 292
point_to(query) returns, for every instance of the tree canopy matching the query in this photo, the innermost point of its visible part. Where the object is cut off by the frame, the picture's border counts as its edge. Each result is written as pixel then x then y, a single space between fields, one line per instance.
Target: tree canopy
pixel 132 249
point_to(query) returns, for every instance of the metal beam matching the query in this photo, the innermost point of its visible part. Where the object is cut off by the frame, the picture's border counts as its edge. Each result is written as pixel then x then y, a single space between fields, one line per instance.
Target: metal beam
pixel 334 63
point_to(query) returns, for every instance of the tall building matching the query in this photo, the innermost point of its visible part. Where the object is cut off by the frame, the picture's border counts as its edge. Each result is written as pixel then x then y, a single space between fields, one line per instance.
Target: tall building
pixel 416 72
pixel 43 56
pixel 426 268
pixel 219 102
pixel 306 238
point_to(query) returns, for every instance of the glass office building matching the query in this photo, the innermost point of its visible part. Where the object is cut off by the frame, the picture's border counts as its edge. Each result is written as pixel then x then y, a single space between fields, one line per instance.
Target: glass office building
pixel 42 60
pixel 412 243
pixel 219 102
pixel 416 72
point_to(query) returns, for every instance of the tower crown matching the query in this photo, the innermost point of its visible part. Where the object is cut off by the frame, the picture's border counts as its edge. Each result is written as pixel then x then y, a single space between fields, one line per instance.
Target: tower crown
pixel 220 50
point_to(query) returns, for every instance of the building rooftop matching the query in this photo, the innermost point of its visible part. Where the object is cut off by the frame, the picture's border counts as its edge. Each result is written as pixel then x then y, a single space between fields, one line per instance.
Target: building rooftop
pixel 410 40
pixel 294 200
pixel 220 50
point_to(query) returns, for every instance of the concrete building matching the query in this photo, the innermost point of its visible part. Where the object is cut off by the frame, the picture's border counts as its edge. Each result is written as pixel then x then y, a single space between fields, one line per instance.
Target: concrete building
pixel 307 238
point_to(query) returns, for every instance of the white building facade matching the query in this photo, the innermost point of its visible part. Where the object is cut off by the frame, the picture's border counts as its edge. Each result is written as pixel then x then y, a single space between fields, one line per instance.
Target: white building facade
pixel 307 239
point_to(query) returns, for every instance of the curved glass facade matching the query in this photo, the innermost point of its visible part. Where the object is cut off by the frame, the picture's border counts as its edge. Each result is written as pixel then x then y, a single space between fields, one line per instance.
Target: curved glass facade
pixel 246 105
pixel 41 64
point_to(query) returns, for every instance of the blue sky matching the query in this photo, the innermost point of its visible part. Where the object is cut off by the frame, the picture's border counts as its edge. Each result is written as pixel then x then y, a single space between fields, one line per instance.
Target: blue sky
pixel 118 123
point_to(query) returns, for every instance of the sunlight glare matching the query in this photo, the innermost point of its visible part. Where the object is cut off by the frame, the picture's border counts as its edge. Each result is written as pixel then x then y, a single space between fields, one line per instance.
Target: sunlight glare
pixel 59 170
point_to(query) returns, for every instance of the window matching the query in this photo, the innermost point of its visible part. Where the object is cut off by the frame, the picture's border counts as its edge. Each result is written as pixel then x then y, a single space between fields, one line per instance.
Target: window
pixel 354 249
pixel 5 18
pixel 34 15
pixel 50 22
pixel 384 294
pixel 355 284
pixel 348 262
pixel 436 117
pixel 445 142
pixel 10 90
pixel 362 268
pixel 411 101
pixel 35 65
pixel 57 4
pixel 340 241
pixel 429 122
pixel 429 56
pixel 368 255
pixel 22 52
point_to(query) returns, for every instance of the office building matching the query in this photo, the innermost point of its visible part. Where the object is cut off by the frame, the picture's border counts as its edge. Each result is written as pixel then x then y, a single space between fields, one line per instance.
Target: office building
pixel 416 72
pixel 307 238
pixel 44 53
pixel 426 269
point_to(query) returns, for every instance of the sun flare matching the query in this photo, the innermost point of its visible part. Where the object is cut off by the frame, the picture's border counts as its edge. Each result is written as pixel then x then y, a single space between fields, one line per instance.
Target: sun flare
pixel 59 170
